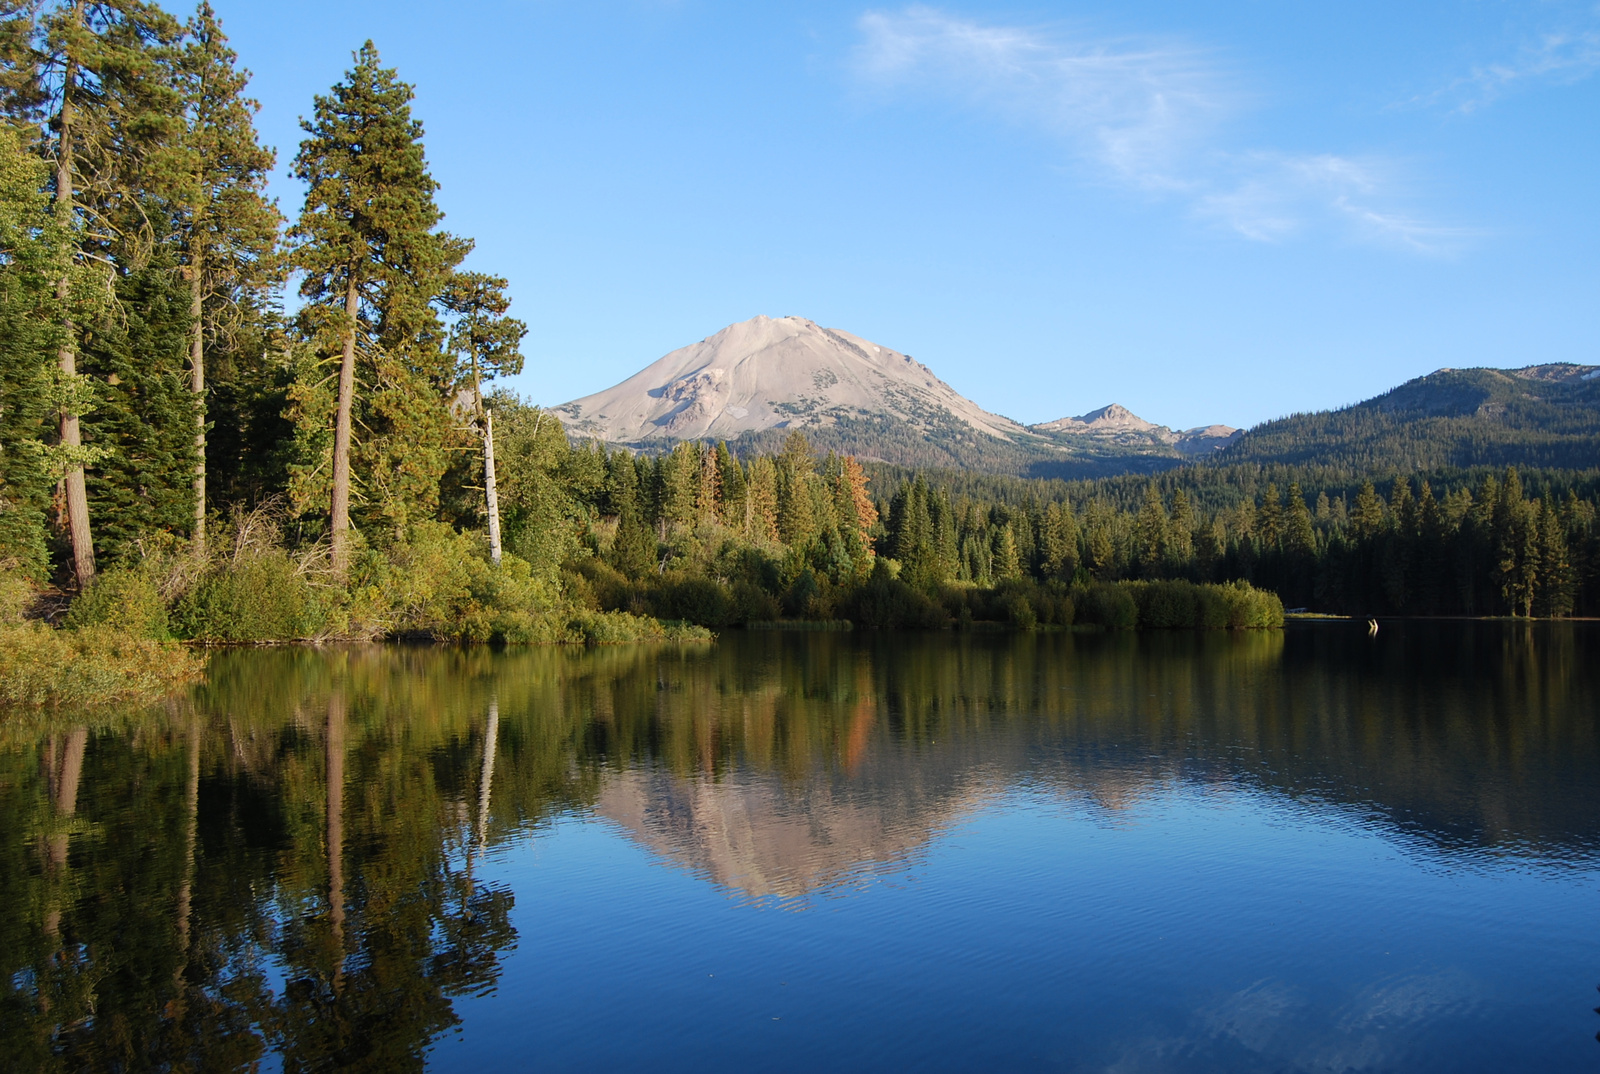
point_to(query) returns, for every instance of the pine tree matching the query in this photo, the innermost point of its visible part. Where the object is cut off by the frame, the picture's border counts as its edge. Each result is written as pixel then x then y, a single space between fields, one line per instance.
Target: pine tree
pixel 144 417
pixel 1269 519
pixel 227 226
pixel 761 502
pixel 732 483
pixel 1403 509
pixel 708 493
pixel 678 477
pixel 374 269
pixel 855 512
pixel 106 86
pixel 30 265
pixel 1299 537
pixel 797 520
pixel 633 552
pixel 1099 543
pixel 1151 530
pixel 1556 575
pixel 1006 562
pixel 942 519
pixel 1180 531
pixel 486 343
pixel 1366 519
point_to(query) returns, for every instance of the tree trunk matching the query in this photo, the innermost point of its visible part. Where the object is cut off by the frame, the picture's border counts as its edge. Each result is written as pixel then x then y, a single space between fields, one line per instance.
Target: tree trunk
pixel 341 436
pixel 489 492
pixel 197 384
pixel 73 484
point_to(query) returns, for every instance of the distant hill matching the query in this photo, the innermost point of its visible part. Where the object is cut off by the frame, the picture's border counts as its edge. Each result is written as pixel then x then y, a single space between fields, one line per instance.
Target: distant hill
pixel 1539 416
pixel 755 381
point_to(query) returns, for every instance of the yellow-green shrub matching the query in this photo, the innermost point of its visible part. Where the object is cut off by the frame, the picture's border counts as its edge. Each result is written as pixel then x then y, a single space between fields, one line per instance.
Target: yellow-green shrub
pixel 121 600
pixel 261 597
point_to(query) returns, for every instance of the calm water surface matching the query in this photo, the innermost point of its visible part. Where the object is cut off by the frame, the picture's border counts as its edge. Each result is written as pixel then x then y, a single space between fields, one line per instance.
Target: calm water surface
pixel 1308 850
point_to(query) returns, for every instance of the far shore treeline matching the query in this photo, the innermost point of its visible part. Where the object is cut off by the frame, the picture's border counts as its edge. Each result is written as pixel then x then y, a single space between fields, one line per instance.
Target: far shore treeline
pixel 183 457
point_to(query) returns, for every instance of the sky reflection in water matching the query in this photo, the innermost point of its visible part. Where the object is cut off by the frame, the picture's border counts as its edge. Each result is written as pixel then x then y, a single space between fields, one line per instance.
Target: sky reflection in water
pixel 1299 851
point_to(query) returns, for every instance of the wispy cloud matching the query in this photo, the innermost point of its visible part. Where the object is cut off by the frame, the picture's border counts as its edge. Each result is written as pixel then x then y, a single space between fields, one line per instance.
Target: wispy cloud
pixel 1147 115
pixel 1559 58
pixel 1271 197
pixel 1132 108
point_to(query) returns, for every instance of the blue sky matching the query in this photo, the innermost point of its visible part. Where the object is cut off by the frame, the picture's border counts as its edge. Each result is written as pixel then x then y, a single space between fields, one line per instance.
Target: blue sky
pixel 1206 212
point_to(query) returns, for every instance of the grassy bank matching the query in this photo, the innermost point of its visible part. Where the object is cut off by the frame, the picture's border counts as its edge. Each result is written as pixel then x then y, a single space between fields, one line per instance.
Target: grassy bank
pixel 41 667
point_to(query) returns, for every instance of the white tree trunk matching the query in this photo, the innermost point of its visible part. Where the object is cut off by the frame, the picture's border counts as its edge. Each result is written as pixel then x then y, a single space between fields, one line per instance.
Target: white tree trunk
pixel 488 487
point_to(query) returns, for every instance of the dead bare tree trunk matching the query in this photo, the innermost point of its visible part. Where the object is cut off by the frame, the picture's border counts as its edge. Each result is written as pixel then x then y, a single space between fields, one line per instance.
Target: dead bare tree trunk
pixel 341 434
pixel 489 492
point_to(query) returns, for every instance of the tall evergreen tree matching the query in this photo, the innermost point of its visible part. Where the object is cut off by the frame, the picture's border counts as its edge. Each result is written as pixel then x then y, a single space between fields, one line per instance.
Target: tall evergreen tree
pixel 487 343
pixel 143 417
pixel 104 70
pixel 30 265
pixel 375 266
pixel 227 226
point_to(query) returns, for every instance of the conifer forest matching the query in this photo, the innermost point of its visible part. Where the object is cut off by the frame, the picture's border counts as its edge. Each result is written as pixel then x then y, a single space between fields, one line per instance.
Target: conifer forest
pixel 222 418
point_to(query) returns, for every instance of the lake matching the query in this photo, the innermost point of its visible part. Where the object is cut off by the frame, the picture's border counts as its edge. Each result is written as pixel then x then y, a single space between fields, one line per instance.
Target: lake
pixel 1306 850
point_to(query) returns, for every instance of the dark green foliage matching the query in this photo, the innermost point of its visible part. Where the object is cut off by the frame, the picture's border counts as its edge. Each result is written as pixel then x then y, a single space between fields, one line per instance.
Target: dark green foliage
pixel 1103 604
pixel 1543 416
pixel 144 416
pixel 703 601
pixel 886 603
pixel 26 340
pixel 369 223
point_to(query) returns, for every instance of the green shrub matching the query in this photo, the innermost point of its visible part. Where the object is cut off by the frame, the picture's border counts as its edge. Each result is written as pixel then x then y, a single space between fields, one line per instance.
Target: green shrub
pixel 1104 604
pixel 614 628
pixel 752 604
pixel 1020 612
pixel 259 598
pixel 1250 608
pixel 886 603
pixel 125 601
pixel 1180 605
pixel 90 666
pixel 703 601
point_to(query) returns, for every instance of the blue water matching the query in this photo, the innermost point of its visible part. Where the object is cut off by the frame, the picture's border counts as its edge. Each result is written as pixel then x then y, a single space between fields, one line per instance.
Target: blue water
pixel 1199 927
pixel 1310 852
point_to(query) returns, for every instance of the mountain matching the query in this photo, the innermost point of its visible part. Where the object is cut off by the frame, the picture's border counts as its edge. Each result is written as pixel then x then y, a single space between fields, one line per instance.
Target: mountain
pixel 766 373
pixel 754 381
pixel 1541 415
pixel 1119 424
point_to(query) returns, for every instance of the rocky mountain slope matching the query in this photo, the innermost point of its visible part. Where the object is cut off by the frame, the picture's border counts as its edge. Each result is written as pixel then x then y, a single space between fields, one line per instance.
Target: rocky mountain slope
pixel 765 373
pixel 1119 424
pixel 754 381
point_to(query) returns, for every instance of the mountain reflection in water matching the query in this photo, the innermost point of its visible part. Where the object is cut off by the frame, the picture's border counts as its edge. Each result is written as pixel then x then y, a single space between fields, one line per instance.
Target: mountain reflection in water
pixel 290 861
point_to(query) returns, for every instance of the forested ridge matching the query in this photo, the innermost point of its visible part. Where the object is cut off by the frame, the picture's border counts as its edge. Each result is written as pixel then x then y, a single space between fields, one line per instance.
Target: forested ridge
pixel 185 456
pixel 1542 416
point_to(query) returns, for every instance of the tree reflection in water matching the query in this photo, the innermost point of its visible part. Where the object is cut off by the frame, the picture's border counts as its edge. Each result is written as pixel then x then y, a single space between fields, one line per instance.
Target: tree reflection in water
pixel 287 860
